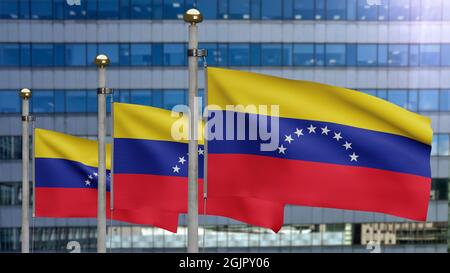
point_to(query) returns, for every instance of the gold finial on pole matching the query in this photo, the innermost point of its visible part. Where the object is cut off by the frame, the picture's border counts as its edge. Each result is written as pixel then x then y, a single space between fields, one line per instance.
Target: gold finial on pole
pixel 193 16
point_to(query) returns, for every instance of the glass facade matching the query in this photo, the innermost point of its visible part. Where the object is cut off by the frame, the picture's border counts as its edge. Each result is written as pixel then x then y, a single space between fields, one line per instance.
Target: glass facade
pixel 361 10
pixel 227 54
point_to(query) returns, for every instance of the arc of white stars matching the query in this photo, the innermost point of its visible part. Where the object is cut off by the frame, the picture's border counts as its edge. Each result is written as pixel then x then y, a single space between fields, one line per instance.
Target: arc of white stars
pixel 311 129
pixel 181 160
pixel 353 157
pixel 88 183
pixel 337 136
pixel 298 132
pixel 288 138
pixel 325 130
pixel 95 174
pixel 282 149
pixel 347 145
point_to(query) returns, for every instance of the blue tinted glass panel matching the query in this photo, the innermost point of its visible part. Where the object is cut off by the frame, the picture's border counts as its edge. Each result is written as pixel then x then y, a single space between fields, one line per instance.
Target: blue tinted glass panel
pixel 42 55
pixel 444 100
pixel 431 10
pixel 208 8
pixel 76 55
pixel 382 94
pixel 124 10
pixel 222 9
pixel 399 97
pixel 211 59
pixel 142 97
pixel 351 54
pixel 222 56
pixel 304 9
pixel 110 50
pixel 351 9
pixel 108 9
pixel 399 10
pixel 383 10
pixel 174 54
pixel 173 9
pixel 43 102
pixel 415 10
pixel 336 10
pixel 369 92
pixel 335 55
pixel 304 55
pixel 428 100
pixel 9 55
pixel 157 10
pixel 157 54
pixel 429 55
pixel 287 54
pixel 271 55
pixel 173 97
pixel 141 54
pixel 366 12
pixel 9 102
pixel 24 9
pixel 60 106
pixel 443 144
pixel 367 55
pixel 41 9
pixel 76 101
pixel 76 11
pixel 25 54
pixel 124 96
pixel 157 98
pixel 445 55
pixel 91 7
pixel 320 10
pixel 288 9
pixel 239 9
pixel 413 100
pixel 271 9
pixel 320 54
pixel 239 54
pixel 434 145
pixel 9 9
pixel 446 10
pixel 255 54
pixel 124 54
pixel 141 9
pixel 382 55
pixel 398 55
pixel 58 54
pixel 414 55
pixel 256 9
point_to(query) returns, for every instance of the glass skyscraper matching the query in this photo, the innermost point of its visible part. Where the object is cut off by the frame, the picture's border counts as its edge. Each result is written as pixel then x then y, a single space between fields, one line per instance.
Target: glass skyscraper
pixel 398 50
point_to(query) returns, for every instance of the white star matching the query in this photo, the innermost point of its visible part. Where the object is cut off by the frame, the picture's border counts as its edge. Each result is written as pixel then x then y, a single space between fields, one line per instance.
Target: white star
pixel 298 132
pixel 311 129
pixel 200 151
pixel 325 130
pixel 288 139
pixel 281 149
pixel 353 157
pixel 90 176
pixel 181 160
pixel 337 136
pixel 176 169
pixel 95 174
pixel 347 145
pixel 88 183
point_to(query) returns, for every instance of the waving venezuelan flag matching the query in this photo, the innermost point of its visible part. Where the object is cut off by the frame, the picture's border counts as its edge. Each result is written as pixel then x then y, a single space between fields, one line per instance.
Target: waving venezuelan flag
pixel 150 169
pixel 66 182
pixel 338 148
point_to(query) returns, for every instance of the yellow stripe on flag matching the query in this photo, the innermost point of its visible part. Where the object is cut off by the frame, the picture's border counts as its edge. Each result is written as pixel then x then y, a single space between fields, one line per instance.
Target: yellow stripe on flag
pixel 314 101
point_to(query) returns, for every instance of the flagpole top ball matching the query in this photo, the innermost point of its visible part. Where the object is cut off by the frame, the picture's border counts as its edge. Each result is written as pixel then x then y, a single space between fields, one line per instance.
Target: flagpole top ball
pixel 25 93
pixel 193 16
pixel 101 60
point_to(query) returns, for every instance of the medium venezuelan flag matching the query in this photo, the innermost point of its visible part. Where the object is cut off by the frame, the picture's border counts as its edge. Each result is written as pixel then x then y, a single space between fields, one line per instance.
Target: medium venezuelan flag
pixel 337 148
pixel 66 182
pixel 150 169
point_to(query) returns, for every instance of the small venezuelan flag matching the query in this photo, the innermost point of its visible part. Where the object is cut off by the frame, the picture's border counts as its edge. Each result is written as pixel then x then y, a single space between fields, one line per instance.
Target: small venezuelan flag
pixel 337 148
pixel 67 179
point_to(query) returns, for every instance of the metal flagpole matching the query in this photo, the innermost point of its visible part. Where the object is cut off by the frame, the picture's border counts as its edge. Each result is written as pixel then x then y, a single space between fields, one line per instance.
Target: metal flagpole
pixel 111 172
pixel 101 61
pixel 193 17
pixel 33 178
pixel 205 144
pixel 26 95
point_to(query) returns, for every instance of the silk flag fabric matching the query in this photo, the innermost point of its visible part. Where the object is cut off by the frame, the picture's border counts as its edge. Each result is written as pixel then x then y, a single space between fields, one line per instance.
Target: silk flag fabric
pixel 66 182
pixel 150 169
pixel 337 148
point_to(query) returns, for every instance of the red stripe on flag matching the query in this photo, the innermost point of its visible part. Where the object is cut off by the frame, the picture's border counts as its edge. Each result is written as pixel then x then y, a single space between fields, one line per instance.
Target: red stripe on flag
pixel 82 203
pixel 319 184
pixel 134 191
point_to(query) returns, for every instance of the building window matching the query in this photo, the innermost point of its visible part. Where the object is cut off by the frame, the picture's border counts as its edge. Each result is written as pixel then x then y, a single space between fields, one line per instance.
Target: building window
pixel 429 55
pixel 336 10
pixel 399 10
pixel 304 55
pixel 108 9
pixel 271 10
pixel 76 101
pixel 431 10
pixel 174 54
pixel 366 12
pixel 271 54
pixel 75 55
pixel 42 55
pixel 399 97
pixel 239 9
pixel 304 9
pixel 239 54
pixel 173 97
pixel 141 54
pixel 9 9
pixel 10 147
pixel 43 102
pixel 41 9
pixel 173 9
pixel 141 9
pixel 367 55
pixel 428 100
pixel 9 55
pixel 208 8
pixel 335 55
pixel 398 55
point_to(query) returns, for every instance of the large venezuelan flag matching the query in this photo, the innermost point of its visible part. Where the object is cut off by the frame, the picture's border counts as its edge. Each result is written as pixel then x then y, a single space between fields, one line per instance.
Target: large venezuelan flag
pixel 66 182
pixel 338 148
pixel 150 169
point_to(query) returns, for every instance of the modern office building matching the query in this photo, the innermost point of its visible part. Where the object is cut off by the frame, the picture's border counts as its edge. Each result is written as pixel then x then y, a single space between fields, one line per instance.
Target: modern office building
pixel 398 50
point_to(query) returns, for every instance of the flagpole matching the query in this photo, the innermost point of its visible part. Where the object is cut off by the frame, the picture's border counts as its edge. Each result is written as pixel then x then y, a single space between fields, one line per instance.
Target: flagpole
pixel 193 17
pixel 25 94
pixel 102 62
